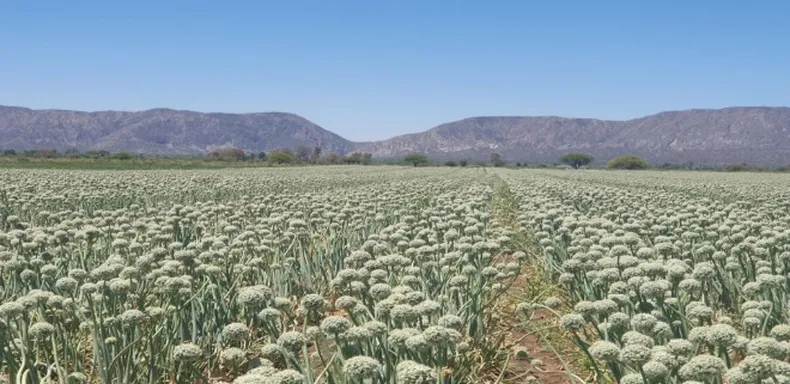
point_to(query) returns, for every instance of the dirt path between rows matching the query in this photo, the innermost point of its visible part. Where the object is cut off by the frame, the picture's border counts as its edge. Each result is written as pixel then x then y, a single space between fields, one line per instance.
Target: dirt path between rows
pixel 550 352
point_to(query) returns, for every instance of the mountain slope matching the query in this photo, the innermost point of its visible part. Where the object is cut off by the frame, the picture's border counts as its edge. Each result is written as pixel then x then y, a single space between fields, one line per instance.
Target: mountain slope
pixel 160 131
pixel 754 135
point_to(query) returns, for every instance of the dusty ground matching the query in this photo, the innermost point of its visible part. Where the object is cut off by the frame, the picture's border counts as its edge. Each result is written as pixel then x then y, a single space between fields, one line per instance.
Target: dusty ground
pixel 540 336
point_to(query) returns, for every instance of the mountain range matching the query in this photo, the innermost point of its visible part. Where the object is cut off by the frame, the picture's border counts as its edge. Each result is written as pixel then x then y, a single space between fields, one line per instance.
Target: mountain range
pixel 751 135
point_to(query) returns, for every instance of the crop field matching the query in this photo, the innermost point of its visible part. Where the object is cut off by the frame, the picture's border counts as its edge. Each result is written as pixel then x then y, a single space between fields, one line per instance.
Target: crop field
pixel 352 275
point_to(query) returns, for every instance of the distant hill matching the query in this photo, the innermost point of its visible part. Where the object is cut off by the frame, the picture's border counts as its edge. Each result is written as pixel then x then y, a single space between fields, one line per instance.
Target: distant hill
pixel 752 135
pixel 161 131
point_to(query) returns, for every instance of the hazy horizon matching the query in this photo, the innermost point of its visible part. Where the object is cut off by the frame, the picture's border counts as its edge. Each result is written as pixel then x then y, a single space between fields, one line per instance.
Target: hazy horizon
pixel 373 71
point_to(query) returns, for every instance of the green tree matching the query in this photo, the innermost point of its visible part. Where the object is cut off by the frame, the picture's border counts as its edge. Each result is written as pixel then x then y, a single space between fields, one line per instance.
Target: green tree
pixel 496 160
pixel 280 157
pixel 416 159
pixel 576 159
pixel 450 163
pixel 628 162
pixel 463 162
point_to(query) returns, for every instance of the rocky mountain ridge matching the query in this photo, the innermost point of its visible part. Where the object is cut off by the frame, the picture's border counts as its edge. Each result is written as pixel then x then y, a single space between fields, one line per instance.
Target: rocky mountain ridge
pixel 752 135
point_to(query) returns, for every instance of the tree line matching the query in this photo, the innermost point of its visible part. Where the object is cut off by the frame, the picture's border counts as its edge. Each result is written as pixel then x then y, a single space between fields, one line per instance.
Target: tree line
pixel 303 155
pixel 51 153
pixel 574 160
pixel 299 155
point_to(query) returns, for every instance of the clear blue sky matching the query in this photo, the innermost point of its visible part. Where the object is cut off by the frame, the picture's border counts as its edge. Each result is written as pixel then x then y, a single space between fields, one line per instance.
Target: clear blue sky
pixel 374 69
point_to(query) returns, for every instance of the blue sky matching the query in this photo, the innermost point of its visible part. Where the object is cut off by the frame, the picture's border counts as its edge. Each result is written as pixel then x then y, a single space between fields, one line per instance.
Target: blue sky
pixel 370 70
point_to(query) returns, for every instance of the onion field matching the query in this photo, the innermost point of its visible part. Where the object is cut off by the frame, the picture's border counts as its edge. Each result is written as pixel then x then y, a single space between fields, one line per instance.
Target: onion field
pixel 352 274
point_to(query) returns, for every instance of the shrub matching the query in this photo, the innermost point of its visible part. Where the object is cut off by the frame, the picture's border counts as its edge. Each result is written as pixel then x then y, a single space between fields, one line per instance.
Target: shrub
pixel 280 157
pixel 122 156
pixel 97 154
pixel 736 168
pixel 628 162
pixel 44 153
pixel 226 153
